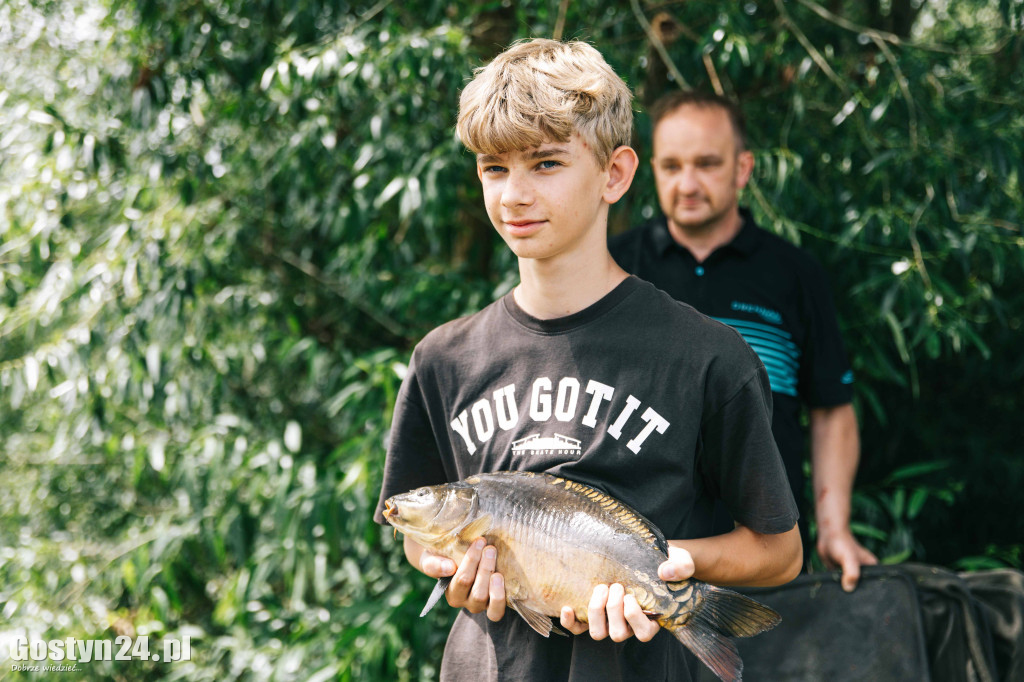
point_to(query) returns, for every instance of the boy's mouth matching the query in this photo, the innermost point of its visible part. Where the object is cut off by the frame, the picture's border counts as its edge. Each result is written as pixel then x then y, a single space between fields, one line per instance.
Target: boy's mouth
pixel 522 227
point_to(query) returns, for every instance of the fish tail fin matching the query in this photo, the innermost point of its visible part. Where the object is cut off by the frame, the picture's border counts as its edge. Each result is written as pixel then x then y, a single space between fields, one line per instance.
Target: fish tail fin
pixel 704 619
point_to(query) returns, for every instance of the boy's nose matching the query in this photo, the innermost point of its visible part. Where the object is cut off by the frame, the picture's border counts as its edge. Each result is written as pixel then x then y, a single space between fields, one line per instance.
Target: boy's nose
pixel 516 191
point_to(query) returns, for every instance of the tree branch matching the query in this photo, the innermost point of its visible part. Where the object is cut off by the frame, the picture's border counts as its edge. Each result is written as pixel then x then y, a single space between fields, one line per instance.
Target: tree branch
pixel 892 37
pixel 658 45
pixel 339 289
pixel 904 87
pixel 560 23
pixel 811 50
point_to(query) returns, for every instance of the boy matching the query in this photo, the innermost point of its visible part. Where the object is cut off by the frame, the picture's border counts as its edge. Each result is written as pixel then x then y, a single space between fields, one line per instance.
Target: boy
pixel 588 373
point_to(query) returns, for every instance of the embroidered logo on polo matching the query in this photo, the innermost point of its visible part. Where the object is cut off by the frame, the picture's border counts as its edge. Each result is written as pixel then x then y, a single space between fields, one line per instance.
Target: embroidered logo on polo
pixel 566 401
pixel 766 314
pixel 775 347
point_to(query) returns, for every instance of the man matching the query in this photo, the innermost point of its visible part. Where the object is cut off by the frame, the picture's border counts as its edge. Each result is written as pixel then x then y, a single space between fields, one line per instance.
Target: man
pixel 706 251
pixel 575 354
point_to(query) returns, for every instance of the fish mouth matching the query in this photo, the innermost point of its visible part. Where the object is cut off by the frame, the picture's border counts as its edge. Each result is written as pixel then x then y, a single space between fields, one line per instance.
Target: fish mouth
pixel 390 509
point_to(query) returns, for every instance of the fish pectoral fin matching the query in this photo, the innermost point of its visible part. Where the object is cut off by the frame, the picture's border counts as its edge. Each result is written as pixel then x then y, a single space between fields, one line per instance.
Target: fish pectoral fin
pixel 476 528
pixel 536 620
pixel 435 595
pixel 558 631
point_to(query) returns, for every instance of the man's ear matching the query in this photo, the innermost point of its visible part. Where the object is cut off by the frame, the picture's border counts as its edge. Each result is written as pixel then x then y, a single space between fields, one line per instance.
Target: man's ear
pixel 621 168
pixel 744 167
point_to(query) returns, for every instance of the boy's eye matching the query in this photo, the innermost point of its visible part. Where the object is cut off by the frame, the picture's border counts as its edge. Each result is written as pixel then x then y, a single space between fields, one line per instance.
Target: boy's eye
pixel 494 169
pixel 548 164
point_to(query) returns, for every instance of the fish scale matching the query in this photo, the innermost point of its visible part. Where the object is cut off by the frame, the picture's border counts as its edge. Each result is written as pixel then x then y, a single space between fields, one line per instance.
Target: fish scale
pixel 557 539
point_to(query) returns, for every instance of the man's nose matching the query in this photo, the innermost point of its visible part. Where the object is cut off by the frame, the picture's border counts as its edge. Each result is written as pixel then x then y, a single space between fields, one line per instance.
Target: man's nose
pixel 686 180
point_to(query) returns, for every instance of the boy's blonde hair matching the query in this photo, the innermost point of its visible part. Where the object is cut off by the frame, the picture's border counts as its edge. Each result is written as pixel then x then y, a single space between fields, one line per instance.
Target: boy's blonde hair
pixel 544 91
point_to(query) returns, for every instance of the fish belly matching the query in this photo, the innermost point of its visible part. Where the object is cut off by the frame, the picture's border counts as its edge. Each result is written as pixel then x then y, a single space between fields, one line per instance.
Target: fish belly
pixel 547 564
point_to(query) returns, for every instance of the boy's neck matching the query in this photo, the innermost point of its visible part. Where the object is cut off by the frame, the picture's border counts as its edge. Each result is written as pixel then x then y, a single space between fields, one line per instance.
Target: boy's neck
pixel 549 290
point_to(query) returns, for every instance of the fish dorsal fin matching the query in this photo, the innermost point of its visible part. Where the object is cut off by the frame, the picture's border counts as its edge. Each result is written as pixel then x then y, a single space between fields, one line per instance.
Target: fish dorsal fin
pixel 476 528
pixel 536 620
pixel 633 520
pixel 435 595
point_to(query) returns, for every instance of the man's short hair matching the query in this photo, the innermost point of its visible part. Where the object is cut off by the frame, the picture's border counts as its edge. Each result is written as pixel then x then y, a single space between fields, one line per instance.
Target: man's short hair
pixel 544 91
pixel 670 103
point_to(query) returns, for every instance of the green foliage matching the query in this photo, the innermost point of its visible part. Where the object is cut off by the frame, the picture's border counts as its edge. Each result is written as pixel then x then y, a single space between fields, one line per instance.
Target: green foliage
pixel 224 224
pixel 890 508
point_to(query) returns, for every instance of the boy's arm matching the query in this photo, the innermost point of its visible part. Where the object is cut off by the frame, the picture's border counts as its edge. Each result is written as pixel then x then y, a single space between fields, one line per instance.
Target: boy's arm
pixel 475 586
pixel 739 557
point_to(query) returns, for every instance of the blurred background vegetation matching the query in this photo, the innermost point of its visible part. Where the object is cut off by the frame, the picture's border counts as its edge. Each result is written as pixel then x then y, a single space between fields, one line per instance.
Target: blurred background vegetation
pixel 224 224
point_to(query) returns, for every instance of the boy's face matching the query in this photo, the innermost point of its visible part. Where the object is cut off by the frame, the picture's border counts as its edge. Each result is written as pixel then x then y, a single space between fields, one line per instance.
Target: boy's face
pixel 697 169
pixel 545 201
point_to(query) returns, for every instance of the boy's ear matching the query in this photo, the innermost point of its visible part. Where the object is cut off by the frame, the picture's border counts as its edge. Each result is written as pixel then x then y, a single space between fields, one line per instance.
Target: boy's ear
pixel 621 168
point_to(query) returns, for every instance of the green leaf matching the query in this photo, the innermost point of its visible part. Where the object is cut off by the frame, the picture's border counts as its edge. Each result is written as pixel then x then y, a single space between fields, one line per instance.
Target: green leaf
pixel 917 500
pixel 916 470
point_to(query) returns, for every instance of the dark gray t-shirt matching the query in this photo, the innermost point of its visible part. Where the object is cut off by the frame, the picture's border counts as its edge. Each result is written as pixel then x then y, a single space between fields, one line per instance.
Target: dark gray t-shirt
pixel 638 395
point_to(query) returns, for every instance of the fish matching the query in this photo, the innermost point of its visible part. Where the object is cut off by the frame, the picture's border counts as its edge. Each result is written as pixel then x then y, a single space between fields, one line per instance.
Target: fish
pixel 557 539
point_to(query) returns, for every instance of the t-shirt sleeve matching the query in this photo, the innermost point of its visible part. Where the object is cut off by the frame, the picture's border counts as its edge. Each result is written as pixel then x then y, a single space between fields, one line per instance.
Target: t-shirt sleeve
pixel 741 461
pixel 412 458
pixel 825 378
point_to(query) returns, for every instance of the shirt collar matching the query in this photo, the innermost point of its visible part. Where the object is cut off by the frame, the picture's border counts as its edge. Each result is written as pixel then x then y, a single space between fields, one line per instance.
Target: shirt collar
pixel 749 236
pixel 661 237
pixel 745 241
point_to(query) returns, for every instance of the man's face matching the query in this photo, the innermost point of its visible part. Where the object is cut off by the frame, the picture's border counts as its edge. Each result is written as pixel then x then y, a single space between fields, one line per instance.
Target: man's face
pixel 697 168
pixel 545 201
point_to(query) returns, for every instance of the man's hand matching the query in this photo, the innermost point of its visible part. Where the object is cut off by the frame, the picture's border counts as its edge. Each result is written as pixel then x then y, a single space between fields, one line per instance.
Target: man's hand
pixel 841 550
pixel 475 586
pixel 611 613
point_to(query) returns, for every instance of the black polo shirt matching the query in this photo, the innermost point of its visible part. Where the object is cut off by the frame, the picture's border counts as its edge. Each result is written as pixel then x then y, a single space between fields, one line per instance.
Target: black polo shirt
pixel 772 293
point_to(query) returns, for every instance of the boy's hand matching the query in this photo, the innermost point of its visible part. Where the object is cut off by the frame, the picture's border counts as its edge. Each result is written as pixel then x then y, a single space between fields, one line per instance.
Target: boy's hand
pixel 611 613
pixel 475 586
pixel 615 614
pixel 678 566
pixel 435 565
